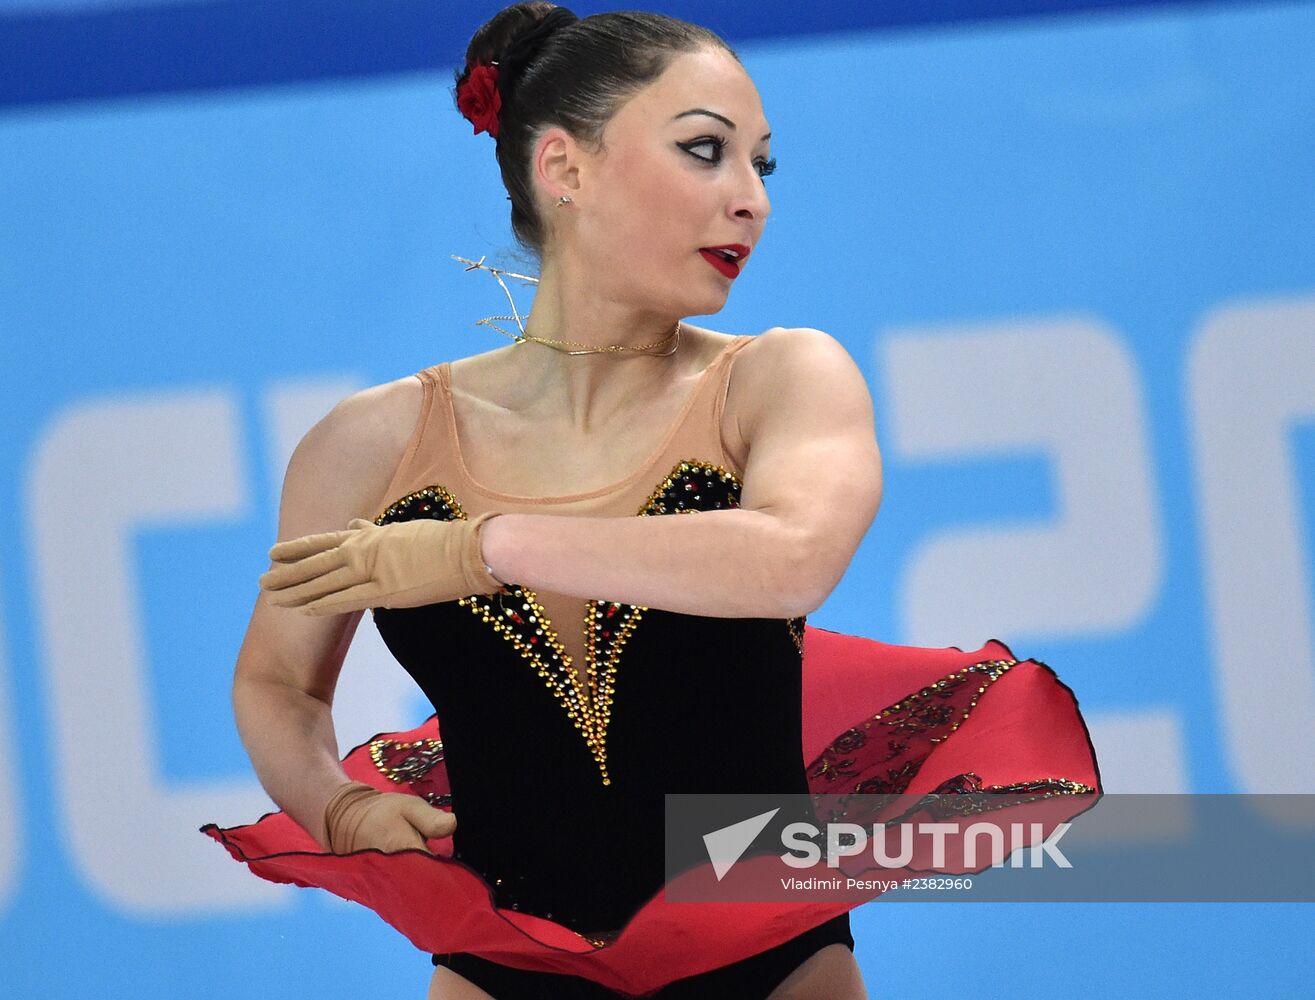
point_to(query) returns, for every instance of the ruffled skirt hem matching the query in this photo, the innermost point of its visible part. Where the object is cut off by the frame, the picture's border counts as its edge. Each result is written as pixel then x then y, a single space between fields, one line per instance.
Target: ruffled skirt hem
pixel 879 719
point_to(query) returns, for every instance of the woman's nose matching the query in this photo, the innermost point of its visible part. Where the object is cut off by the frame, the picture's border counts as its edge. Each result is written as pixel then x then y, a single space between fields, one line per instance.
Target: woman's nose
pixel 751 201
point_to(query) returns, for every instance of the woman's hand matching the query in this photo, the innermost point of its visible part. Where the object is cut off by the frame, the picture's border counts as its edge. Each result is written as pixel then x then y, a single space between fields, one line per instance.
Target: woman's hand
pixel 402 565
pixel 358 817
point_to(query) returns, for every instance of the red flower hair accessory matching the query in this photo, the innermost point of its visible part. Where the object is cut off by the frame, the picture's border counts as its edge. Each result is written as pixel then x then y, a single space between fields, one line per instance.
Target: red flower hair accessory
pixel 478 99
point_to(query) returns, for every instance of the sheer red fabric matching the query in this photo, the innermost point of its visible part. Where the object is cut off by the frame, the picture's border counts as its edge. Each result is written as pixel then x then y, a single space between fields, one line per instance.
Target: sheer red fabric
pixel 878 718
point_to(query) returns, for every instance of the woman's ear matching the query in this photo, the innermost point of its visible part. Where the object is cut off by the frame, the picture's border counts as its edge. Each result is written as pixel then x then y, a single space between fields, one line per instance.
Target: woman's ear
pixel 557 164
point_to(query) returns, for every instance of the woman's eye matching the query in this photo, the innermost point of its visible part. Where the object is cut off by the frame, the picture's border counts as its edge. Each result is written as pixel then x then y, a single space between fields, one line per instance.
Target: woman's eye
pixel 716 145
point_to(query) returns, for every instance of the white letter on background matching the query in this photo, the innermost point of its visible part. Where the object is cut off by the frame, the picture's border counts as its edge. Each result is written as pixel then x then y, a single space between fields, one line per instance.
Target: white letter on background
pixel 101 472
pixel 1065 389
pixel 1250 378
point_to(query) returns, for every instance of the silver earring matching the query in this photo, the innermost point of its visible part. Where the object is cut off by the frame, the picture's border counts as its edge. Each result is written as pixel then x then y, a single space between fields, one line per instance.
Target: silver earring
pixel 564 200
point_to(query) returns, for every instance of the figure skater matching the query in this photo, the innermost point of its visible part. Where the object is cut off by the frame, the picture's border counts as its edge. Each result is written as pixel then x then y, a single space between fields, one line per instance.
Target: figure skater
pixel 583 661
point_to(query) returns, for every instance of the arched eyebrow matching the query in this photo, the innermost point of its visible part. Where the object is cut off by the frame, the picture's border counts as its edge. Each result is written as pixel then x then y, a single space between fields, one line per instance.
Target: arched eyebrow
pixel 721 118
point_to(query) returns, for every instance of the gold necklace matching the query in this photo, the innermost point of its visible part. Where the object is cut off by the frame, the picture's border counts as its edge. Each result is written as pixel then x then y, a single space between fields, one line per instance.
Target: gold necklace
pixel 606 348
pixel 522 337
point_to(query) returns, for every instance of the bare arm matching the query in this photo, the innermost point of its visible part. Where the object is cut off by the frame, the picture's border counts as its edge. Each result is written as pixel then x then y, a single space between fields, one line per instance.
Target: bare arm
pixel 289 662
pixel 811 488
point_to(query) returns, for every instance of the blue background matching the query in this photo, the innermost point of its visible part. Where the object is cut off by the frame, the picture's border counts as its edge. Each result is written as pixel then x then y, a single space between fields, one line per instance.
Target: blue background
pixel 230 201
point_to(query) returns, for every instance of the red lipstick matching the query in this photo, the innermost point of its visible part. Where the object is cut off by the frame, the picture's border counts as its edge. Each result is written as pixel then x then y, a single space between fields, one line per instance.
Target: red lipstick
pixel 727 258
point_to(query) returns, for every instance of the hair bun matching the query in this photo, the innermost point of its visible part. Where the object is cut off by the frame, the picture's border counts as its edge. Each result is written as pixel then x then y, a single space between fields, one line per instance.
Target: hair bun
pixel 498 55
pixel 524 46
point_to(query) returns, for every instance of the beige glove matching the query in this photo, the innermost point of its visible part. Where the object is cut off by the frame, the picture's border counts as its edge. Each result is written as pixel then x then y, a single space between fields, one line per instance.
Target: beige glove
pixel 359 817
pixel 401 565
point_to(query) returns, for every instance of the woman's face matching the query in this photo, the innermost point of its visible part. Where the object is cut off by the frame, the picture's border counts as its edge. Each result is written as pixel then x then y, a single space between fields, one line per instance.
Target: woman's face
pixel 681 169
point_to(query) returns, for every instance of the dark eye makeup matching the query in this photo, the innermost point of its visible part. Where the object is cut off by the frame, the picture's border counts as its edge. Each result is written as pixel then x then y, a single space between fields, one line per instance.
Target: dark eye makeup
pixel 765 167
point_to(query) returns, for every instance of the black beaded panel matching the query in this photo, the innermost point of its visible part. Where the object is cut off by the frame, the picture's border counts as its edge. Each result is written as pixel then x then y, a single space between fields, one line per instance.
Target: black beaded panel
pixel 517 768
pixel 515 613
pixel 692 486
pixel 433 502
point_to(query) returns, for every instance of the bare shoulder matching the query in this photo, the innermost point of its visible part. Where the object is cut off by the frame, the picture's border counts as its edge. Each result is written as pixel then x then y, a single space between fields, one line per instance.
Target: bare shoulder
pixel 343 465
pixel 802 365
pixel 798 348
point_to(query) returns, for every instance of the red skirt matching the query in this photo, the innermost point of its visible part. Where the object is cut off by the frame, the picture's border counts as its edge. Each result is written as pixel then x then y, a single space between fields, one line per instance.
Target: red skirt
pixel 897 721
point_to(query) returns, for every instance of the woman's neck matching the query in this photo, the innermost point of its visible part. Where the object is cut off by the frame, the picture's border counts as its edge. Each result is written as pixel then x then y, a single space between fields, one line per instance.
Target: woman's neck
pixel 587 388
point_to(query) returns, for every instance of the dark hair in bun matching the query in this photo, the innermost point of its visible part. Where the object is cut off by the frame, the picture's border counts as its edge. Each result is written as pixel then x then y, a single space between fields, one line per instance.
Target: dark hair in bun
pixel 555 69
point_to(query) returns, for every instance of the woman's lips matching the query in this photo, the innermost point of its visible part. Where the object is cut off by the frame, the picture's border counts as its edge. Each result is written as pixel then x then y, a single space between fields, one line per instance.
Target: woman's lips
pixel 727 267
